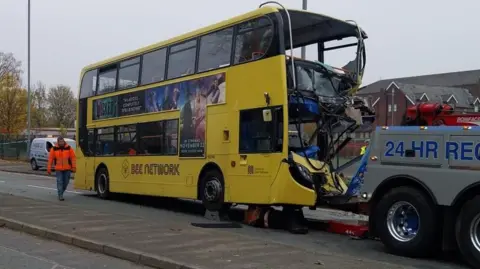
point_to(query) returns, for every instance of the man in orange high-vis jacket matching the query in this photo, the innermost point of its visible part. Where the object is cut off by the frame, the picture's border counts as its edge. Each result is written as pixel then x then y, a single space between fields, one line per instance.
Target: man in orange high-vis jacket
pixel 62 156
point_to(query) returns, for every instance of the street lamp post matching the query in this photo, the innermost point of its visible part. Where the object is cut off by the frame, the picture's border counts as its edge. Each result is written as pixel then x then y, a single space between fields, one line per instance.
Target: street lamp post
pixel 304 7
pixel 28 81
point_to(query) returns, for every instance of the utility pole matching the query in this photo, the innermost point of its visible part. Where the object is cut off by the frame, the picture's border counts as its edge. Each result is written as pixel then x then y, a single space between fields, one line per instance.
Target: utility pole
pixel 28 82
pixel 304 51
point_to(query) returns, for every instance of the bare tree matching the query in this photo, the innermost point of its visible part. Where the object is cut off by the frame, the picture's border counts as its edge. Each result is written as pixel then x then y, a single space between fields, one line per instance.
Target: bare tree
pixel 62 106
pixel 9 66
pixel 39 105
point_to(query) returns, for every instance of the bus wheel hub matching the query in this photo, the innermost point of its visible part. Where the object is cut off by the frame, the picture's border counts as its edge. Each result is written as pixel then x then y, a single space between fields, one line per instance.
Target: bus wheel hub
pixel 212 191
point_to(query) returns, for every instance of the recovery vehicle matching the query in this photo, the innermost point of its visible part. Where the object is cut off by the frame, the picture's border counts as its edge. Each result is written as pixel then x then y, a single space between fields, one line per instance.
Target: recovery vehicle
pixel 423 189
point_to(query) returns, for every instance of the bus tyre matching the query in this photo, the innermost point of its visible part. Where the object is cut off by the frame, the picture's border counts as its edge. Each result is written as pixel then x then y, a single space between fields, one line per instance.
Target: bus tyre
pixel 34 165
pixel 406 222
pixel 468 232
pixel 102 183
pixel 213 191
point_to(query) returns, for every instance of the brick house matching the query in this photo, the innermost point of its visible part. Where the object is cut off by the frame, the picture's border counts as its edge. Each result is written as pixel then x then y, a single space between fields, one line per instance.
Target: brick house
pixel 391 97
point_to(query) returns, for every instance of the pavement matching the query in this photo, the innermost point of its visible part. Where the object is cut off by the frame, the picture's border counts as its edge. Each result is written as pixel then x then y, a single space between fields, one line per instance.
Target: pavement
pixel 159 232
pixel 20 250
pixel 22 167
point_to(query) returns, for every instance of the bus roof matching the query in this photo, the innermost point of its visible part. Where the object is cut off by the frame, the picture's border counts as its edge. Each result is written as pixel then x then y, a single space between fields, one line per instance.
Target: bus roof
pixel 300 20
pixel 327 28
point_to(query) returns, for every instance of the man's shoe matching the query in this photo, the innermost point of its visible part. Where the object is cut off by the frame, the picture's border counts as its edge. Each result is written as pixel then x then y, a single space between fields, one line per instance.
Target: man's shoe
pixel 60 198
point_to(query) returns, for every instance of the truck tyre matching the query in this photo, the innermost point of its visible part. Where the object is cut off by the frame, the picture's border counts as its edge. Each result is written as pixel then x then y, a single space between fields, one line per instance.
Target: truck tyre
pixel 406 222
pixel 102 183
pixel 468 232
pixel 212 190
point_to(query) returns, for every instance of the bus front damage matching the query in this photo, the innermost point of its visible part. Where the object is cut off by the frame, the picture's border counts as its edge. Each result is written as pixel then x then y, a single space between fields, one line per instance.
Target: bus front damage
pixel 321 104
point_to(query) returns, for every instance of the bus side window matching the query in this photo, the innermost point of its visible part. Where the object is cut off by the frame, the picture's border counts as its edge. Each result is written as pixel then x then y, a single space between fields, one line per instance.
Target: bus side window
pixel 253 40
pixel 105 141
pixel 256 135
pixel 126 140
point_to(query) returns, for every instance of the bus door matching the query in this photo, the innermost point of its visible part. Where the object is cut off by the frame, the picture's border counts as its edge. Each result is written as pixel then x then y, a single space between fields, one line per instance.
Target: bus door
pixel 89 161
pixel 254 167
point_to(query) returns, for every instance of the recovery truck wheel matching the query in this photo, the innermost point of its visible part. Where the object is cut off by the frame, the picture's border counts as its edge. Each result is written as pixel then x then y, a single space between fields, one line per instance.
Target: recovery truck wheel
pixel 406 222
pixel 212 191
pixel 102 183
pixel 468 232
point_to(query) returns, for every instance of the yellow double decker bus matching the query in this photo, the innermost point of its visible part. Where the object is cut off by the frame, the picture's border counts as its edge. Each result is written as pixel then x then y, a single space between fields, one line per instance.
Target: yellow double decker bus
pixel 206 115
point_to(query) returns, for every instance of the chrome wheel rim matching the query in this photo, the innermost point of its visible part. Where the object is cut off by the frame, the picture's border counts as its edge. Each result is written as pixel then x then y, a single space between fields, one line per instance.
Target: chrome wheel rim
pixel 475 232
pixel 403 221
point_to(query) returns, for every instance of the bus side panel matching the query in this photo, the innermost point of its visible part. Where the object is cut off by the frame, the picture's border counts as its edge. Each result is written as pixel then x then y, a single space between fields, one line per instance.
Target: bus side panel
pixel 252 174
pixel 218 139
pixel 152 175
pixel 80 175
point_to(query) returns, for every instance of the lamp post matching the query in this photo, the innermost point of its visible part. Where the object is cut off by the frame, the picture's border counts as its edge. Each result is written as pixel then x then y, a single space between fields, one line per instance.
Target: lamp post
pixel 304 7
pixel 28 82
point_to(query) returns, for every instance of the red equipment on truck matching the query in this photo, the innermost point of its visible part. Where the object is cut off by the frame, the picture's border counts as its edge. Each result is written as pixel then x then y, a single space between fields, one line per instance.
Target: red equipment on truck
pixel 435 114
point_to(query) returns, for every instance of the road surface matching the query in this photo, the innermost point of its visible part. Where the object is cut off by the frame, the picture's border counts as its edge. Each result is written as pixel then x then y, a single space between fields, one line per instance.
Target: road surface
pixel 22 251
pixel 43 188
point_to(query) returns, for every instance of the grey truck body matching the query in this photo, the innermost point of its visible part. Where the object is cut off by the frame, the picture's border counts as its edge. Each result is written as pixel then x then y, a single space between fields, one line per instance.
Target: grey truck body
pixel 445 160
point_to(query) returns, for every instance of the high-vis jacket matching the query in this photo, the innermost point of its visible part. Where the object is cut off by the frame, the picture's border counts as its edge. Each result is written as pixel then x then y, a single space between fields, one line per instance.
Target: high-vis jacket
pixel 363 149
pixel 63 158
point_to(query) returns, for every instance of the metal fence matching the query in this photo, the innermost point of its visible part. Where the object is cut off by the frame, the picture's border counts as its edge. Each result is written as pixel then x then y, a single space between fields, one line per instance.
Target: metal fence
pixel 14 147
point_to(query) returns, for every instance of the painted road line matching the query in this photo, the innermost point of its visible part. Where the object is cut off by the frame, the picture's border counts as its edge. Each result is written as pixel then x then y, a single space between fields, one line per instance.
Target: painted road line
pixel 30 175
pixel 52 189
pixel 1 181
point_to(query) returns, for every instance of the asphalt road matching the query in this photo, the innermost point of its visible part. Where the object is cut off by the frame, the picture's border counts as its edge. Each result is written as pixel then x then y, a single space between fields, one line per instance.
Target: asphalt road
pixel 20 251
pixel 43 188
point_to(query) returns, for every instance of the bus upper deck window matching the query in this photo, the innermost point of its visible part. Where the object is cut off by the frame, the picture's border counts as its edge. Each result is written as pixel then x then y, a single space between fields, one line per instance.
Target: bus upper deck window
pixel 253 40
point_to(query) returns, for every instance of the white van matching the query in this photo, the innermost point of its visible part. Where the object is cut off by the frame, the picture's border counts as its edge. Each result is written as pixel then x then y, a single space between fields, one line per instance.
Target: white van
pixel 41 147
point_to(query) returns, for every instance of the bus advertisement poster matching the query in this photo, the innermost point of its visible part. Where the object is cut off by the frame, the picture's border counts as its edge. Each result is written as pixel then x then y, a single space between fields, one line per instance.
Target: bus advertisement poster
pixel 131 103
pixel 105 108
pixel 198 94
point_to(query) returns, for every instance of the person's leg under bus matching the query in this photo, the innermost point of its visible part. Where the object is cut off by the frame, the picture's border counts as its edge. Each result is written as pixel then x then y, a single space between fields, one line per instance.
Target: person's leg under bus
pixel 59 176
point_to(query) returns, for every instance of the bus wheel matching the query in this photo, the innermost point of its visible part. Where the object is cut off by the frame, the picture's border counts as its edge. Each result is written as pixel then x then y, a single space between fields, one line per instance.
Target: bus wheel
pixel 468 232
pixel 102 183
pixel 213 190
pixel 406 222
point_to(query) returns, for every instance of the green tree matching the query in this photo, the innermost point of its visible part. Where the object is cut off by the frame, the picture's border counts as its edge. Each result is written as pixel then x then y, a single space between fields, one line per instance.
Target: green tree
pixel 13 103
pixel 13 98
pixel 63 130
pixel 61 106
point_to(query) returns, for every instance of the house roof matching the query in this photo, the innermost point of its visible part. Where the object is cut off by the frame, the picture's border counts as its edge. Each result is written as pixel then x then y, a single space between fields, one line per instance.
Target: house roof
pixel 439 94
pixel 443 79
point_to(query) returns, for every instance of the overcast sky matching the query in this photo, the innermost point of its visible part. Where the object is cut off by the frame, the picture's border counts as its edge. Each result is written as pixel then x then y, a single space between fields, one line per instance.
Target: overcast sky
pixel 405 37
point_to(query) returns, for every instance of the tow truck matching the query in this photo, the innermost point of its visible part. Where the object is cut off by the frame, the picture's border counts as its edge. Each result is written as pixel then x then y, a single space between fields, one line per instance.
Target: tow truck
pixel 423 189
